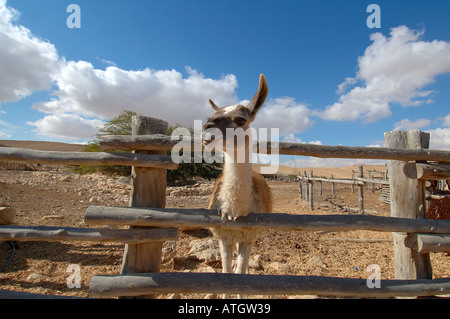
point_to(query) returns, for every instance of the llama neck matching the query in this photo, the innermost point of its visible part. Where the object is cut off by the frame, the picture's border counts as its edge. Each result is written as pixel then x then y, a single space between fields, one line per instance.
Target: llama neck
pixel 236 190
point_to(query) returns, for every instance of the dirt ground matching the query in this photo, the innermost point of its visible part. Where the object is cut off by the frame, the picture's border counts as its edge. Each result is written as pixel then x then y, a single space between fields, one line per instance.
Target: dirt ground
pixel 60 198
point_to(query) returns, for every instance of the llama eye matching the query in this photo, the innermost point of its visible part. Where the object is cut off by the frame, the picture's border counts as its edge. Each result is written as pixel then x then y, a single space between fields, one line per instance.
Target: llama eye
pixel 240 121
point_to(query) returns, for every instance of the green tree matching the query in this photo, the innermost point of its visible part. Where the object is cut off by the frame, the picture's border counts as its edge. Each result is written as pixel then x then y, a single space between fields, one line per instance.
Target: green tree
pixel 120 125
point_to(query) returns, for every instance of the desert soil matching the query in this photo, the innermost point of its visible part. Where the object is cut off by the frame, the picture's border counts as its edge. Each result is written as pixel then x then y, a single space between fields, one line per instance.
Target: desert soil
pixel 58 197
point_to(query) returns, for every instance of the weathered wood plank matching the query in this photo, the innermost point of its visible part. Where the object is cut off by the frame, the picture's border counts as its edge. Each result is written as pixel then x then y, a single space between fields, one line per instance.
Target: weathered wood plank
pixel 179 217
pixel 361 191
pixel 162 142
pixel 426 171
pixel 155 283
pixel 86 158
pixel 407 201
pixel 57 234
pixel 425 243
pixel 148 189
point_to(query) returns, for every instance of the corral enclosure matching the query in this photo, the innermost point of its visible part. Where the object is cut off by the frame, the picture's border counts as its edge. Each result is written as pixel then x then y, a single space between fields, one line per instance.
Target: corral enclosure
pixel 61 198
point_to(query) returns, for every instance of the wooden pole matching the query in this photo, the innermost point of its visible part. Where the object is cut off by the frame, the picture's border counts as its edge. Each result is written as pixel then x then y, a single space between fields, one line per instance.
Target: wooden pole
pixel 305 186
pixel 85 158
pixel 426 171
pixel 311 191
pixel 197 217
pixel 361 191
pixel 57 234
pixel 424 243
pixel 332 187
pixel 148 190
pixel 407 201
pixel 161 142
pixel 116 285
pixel 320 188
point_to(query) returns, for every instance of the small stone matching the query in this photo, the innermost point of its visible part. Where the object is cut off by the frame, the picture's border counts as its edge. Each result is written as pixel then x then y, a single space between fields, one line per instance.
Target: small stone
pixel 36 277
pixel 316 260
pixel 7 215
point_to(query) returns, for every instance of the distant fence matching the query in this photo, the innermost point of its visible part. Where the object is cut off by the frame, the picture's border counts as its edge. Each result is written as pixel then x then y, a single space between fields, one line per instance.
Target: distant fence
pixel 151 223
pixel 306 186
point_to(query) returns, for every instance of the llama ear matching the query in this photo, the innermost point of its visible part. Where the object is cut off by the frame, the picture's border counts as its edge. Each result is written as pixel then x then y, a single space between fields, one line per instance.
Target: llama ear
pixel 214 106
pixel 260 96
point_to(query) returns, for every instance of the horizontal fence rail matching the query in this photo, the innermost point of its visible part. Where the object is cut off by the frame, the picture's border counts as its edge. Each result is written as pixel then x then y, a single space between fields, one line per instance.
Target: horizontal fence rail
pixel 56 234
pixel 426 171
pixel 86 158
pixel 153 283
pixel 165 142
pixel 424 243
pixel 178 217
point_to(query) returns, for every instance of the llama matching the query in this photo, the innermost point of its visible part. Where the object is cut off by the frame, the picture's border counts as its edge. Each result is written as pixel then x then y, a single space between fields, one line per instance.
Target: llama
pixel 238 190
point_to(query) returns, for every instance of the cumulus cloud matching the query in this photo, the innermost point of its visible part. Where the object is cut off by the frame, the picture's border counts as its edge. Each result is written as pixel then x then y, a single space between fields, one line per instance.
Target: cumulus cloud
pixel 393 69
pixel 285 114
pixel 27 63
pixel 440 137
pixel 68 126
pixel 84 91
pixel 446 121
pixel 408 125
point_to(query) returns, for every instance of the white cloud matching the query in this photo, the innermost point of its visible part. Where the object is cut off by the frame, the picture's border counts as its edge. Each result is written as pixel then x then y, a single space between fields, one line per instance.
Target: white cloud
pixel 284 113
pixel 446 121
pixel 294 139
pixel 67 126
pixel 27 63
pixel 102 94
pixel 107 62
pixel 440 138
pixel 392 70
pixel 4 135
pixel 408 125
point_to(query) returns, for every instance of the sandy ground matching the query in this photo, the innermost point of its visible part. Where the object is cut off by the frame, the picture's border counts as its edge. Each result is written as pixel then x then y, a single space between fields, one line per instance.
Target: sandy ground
pixel 61 198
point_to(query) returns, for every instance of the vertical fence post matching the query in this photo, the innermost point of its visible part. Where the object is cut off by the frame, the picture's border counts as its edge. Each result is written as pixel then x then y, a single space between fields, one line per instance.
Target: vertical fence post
pixel 310 191
pixel 361 191
pixel 148 190
pixel 300 185
pixel 320 188
pixel 305 186
pixel 407 201
pixel 333 192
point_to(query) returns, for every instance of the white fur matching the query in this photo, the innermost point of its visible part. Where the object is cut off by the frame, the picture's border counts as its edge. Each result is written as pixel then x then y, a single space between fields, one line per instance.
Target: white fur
pixel 236 191
pixel 229 109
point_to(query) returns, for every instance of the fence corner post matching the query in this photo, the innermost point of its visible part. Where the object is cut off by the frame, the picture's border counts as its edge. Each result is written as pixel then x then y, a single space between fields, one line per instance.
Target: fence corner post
pixel 407 201
pixel 148 189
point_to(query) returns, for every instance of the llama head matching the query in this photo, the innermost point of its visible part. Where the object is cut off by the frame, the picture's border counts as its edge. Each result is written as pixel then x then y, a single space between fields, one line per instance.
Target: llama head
pixel 236 116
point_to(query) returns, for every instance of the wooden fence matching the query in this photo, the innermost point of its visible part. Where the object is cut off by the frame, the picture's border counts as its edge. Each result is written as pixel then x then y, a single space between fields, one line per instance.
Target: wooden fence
pixel 151 223
pixel 306 186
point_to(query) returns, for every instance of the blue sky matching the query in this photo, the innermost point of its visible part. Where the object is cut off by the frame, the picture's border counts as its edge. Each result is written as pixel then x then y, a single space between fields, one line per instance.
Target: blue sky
pixel 332 79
